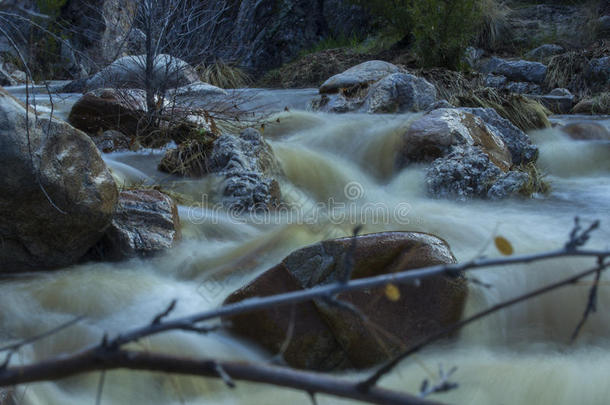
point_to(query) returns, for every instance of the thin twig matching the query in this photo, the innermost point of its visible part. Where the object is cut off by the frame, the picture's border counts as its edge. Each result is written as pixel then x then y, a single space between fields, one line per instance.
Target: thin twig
pixel 424 342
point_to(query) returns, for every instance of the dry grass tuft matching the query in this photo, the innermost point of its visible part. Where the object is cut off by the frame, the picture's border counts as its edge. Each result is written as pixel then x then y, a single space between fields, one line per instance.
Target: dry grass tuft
pixel 523 112
pixel 537 182
pixel 223 75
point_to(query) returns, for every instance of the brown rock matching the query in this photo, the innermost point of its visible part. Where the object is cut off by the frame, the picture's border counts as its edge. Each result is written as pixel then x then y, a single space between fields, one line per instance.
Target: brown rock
pixel 56 202
pixel 110 109
pixel 390 325
pixel 436 132
pixel 589 131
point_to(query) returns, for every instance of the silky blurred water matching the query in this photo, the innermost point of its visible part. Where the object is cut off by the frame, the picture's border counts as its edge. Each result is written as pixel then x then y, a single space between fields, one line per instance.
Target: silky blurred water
pixel 520 355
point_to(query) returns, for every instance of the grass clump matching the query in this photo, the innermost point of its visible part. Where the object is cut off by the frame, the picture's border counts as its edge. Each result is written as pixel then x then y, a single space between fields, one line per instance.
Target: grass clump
pixel 525 113
pixel 601 104
pixel 536 183
pixel 224 75
pixel 189 159
pixel 493 31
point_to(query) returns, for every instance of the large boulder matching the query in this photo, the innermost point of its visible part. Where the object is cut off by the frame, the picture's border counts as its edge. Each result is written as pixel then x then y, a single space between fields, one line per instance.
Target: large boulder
pixel 521 149
pixel 326 336
pixel 437 132
pixel 467 172
pixel 129 71
pixel 245 162
pixel 359 76
pixel 57 196
pixel 145 223
pixel 516 70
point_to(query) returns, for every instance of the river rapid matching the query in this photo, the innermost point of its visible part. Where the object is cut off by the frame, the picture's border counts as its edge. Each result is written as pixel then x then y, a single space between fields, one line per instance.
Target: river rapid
pixel 339 173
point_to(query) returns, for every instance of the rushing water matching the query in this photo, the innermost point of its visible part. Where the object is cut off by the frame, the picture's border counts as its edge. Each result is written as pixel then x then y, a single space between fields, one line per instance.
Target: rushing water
pixel 336 167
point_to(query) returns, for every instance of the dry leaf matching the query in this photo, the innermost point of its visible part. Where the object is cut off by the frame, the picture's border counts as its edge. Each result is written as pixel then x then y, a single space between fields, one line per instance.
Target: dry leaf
pixel 392 292
pixel 504 246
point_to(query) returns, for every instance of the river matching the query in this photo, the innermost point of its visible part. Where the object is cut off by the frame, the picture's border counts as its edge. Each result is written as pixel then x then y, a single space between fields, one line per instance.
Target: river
pixel 521 355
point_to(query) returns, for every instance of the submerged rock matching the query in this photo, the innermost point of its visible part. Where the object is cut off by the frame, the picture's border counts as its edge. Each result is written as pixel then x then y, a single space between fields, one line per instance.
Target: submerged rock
pixel 328 337
pixel 56 201
pixel 246 163
pixel 588 131
pixel 516 70
pixel 145 223
pixel 437 132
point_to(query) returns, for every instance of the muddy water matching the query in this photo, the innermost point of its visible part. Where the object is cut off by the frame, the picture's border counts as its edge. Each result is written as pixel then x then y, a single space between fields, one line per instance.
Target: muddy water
pixel 339 173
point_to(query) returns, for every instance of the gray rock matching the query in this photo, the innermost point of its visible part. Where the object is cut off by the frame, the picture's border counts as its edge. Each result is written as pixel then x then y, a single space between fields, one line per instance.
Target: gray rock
pixel 128 71
pixel 6 79
pixel 544 52
pixel 465 173
pixel 400 92
pixel 516 70
pixel 523 88
pixel 494 81
pixel 55 203
pixel 559 101
pixel 508 185
pixel 246 164
pixel 438 132
pixel 440 104
pixel 359 75
pixel 111 141
pixel 598 71
pixel 145 223
pixel 518 143
pixel 393 93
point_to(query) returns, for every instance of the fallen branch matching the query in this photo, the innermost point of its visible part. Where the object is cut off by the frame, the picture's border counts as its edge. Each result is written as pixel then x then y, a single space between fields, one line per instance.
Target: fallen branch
pixel 109 359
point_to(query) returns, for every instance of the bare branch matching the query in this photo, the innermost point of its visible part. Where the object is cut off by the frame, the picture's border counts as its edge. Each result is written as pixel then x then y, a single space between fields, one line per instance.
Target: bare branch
pixel 309 382
pixel 392 363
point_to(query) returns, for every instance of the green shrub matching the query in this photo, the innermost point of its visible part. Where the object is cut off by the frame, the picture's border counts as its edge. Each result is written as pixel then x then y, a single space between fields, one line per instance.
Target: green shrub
pixel 443 29
pixel 440 30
